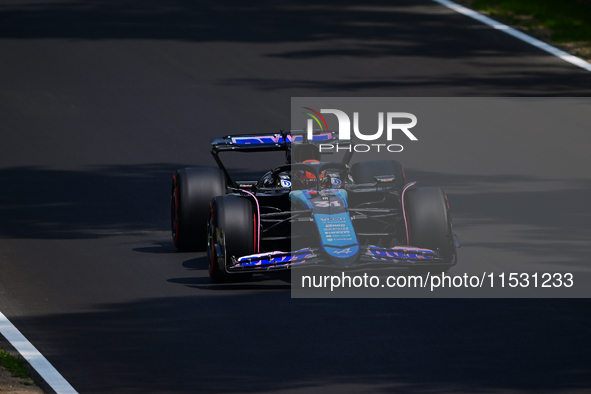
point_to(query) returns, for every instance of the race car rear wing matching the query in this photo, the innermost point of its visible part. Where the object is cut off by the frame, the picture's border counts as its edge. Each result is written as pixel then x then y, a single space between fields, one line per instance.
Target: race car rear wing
pixel 264 142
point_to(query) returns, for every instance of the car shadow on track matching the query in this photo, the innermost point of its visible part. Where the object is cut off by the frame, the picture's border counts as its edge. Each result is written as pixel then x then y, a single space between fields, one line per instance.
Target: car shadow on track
pixel 163 247
pixel 275 281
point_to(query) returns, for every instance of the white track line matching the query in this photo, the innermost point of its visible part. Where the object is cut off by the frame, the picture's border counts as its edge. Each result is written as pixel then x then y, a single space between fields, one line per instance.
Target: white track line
pixel 577 61
pixel 51 376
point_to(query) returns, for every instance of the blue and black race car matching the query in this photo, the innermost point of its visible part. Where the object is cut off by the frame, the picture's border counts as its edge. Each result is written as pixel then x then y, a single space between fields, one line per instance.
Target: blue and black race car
pixel 308 212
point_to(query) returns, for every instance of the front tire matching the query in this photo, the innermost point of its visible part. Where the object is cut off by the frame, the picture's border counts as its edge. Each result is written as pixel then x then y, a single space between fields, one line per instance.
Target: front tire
pixel 429 224
pixel 232 226
pixel 192 191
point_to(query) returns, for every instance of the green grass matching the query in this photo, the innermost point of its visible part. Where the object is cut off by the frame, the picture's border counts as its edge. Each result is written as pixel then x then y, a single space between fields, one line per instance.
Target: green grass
pixel 568 20
pixel 17 366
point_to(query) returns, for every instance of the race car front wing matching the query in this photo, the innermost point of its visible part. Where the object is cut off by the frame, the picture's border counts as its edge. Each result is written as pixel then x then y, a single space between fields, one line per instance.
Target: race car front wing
pixel 399 256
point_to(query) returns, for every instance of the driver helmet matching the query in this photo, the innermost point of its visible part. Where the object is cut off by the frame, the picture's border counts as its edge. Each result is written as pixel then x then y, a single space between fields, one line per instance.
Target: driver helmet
pixel 306 179
pixel 328 179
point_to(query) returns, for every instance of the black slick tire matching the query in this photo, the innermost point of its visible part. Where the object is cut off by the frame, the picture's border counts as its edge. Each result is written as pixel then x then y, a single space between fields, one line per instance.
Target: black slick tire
pixel 192 191
pixel 232 226
pixel 429 224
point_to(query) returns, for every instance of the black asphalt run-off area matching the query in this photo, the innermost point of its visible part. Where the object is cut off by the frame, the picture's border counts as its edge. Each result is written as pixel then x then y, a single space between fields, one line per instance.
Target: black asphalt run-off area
pixel 100 101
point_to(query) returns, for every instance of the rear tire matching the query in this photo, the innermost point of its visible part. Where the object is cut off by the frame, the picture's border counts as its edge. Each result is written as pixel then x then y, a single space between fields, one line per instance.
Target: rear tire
pixel 429 224
pixel 232 226
pixel 192 191
pixel 365 171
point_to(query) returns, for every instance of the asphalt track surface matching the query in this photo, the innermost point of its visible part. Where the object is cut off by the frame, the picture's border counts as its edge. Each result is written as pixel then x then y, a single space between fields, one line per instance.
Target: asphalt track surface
pixel 101 101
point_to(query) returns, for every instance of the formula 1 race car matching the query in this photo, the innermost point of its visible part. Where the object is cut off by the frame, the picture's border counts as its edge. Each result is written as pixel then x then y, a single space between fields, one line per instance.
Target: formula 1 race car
pixel 308 212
